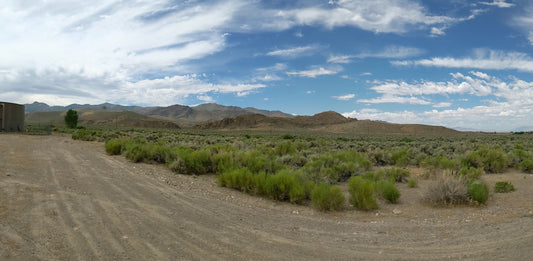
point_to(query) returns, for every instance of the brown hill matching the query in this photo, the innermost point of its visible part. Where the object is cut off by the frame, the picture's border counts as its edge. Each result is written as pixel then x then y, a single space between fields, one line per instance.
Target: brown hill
pixel 259 121
pixel 327 122
pixel 90 117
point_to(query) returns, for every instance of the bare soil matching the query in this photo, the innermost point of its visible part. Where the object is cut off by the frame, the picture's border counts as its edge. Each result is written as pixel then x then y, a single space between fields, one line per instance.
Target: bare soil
pixel 62 199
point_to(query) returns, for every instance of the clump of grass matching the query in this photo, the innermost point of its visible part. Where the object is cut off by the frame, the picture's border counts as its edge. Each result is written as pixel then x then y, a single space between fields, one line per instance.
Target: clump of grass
pixel 388 191
pixel 447 191
pixel 412 183
pixel 503 187
pixel 327 197
pixel 362 193
pixel 478 191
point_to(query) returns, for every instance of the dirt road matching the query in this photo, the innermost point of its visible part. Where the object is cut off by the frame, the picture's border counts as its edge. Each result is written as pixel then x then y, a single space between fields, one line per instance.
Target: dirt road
pixel 62 199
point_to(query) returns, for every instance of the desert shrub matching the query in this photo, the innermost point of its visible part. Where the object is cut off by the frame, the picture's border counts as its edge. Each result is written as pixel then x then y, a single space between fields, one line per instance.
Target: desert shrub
pixel 240 179
pixel 327 197
pixel 373 176
pixel 470 172
pixel 396 174
pixel 399 157
pixel 388 191
pixel 284 186
pixel 115 146
pixel 137 151
pixel 362 193
pixel 160 153
pixel 178 166
pixel 447 190
pixel 412 183
pixel 526 166
pixel 441 162
pixel 478 191
pixel 503 187
pixel 87 135
pixel 336 167
pixel 284 148
pixel 491 160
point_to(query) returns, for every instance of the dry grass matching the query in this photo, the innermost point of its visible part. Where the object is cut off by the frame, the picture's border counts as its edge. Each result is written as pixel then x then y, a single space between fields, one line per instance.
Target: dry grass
pixel 448 190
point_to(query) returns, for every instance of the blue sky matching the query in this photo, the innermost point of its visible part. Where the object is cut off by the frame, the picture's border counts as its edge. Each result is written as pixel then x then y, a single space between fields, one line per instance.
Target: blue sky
pixel 465 64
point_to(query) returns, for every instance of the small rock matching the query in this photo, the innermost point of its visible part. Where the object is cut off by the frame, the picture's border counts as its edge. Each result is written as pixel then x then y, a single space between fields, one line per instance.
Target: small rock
pixel 295 212
pixel 396 211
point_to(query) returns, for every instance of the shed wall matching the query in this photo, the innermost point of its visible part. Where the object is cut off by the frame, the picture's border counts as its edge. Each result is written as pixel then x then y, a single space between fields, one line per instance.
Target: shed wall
pixel 11 117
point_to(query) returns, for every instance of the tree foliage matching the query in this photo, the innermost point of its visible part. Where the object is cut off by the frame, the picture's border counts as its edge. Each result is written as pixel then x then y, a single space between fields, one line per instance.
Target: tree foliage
pixel 71 119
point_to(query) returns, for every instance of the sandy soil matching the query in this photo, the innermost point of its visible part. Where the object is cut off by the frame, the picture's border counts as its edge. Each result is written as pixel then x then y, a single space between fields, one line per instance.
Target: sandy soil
pixel 62 199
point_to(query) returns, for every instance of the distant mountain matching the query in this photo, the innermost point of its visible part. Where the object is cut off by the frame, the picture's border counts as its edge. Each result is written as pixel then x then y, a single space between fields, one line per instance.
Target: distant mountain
pixel 326 122
pixel 182 114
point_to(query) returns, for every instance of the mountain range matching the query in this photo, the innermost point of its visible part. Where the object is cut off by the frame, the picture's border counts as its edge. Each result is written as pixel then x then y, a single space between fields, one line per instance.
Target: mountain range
pixel 215 116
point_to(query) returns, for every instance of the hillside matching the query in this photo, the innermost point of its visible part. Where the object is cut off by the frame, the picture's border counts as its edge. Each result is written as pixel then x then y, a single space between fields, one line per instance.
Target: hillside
pixel 327 122
pixel 99 117
pixel 184 115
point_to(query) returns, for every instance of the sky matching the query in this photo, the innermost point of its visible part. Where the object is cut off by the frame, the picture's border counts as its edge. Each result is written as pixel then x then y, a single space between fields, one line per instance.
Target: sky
pixel 460 64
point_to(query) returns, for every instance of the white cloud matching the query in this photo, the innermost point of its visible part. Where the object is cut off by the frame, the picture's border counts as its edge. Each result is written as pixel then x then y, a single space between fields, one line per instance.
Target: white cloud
pixel 383 16
pixel 170 90
pixel 310 92
pixel 499 3
pixel 509 102
pixel 524 22
pixel 395 99
pixel 345 97
pixel 313 73
pixel 205 98
pixel 62 51
pixel 437 31
pixel 393 52
pixel 340 59
pixel 295 51
pixel 366 74
pixel 482 59
pixel 442 105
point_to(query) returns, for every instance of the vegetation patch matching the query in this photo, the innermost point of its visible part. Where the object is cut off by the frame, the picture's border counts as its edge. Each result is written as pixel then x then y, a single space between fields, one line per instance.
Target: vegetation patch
pixel 503 187
pixel 362 193
pixel 327 197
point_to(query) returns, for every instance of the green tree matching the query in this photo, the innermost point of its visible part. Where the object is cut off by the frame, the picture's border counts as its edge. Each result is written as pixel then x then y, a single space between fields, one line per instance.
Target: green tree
pixel 71 119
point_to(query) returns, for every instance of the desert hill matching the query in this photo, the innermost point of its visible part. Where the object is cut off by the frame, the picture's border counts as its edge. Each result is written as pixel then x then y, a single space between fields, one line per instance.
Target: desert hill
pixel 219 117
pixel 259 121
pixel 100 117
pixel 328 122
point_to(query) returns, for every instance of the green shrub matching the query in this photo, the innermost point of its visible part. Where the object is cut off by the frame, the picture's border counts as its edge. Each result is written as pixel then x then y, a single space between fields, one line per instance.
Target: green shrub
pixel 137 151
pixel 388 191
pixel 396 174
pixel 479 192
pixel 526 166
pixel 362 193
pixel 503 187
pixel 449 190
pixel 470 172
pixel 412 183
pixel 491 160
pixel 115 146
pixel 327 197
pixel 284 186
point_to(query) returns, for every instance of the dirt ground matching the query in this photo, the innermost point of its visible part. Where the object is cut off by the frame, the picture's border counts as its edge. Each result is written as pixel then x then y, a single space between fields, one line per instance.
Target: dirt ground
pixel 62 199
